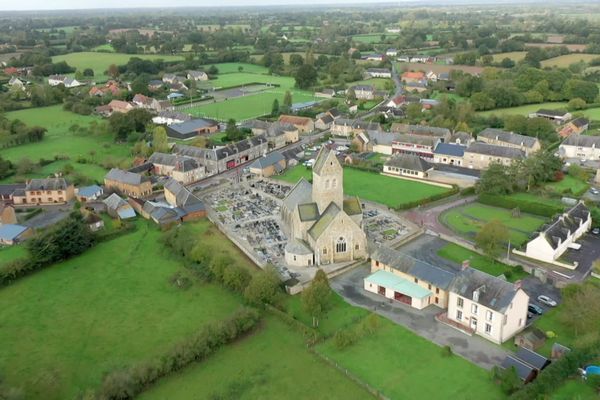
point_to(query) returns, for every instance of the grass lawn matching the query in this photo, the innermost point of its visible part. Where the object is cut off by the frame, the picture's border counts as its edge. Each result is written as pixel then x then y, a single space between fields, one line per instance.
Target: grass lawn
pixel 100 62
pixel 524 110
pixel 574 389
pixel 64 327
pixel 568 59
pixel 549 322
pixel 449 96
pixel 378 83
pixel 272 363
pixel 513 55
pixel 60 142
pixel 243 78
pixel 592 113
pixel 107 47
pixel 381 189
pixel 568 184
pixel 10 253
pixel 458 254
pixel 534 197
pixel 405 366
pixel 252 106
pixel 227 68
pixel 468 220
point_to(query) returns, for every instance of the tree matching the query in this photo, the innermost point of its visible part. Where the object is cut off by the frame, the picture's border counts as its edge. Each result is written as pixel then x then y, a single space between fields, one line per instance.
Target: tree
pixel 492 238
pixel 508 378
pixel 581 310
pixel 287 102
pixel 575 88
pixel 88 72
pixel 306 76
pixel 576 104
pixel 113 71
pixel 351 94
pixel 275 108
pixel 481 101
pixel 232 133
pixel 264 288
pixel 25 166
pixel 160 142
pixel 317 297
pixel 495 180
pixel 296 60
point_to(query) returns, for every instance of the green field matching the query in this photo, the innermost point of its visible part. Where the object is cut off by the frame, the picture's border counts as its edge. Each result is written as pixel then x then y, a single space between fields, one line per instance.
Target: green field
pixel 66 326
pixel 568 59
pixel 513 55
pixel 378 83
pixel 100 62
pixel 10 253
pixel 272 363
pixel 386 190
pixel 247 107
pixel 536 198
pixel 568 184
pixel 226 80
pixel 59 141
pixel 405 366
pixel 104 48
pixel 468 220
pixel 524 110
pixel 227 68
pixel 459 254
pixel 371 38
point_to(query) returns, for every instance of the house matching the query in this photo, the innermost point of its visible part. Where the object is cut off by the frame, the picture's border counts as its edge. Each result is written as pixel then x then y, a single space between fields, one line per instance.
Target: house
pixel 110 88
pixel 364 126
pixel 396 102
pixel 323 121
pixel 268 165
pixel 181 197
pixel 192 128
pixel 257 126
pixel 45 191
pixel 172 78
pixel 575 127
pixel 413 77
pixel 16 83
pixel 197 75
pixel 11 234
pixel 304 124
pixel 142 101
pixel 404 143
pixel 509 139
pixel 116 207
pixel 181 168
pixel 486 305
pixel 459 137
pixel 94 222
pixel 479 155
pixel 170 117
pixel 431 76
pixel 155 84
pixel 342 127
pixel 89 193
pixel 326 93
pixel 531 339
pixel 128 183
pixel 560 234
pixel 428 104
pixel 391 52
pixel 407 165
pixel 443 76
pixel 449 153
pixel 403 278
pixel 120 106
pixel 177 87
pixel 7 215
pixel 363 92
pixel 55 80
pixel 580 147
pixel 161 213
pixel 281 134
pixel 378 73
pixel 7 191
pixel 373 57
pixel 556 116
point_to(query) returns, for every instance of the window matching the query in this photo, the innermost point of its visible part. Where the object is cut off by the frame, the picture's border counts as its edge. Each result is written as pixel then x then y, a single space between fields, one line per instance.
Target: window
pixel 437 290
pixel 340 246
pixel 489 315
pixel 327 184
pixel 377 263
pixel 334 183
pixel 416 280
pixel 505 320
pixel 459 315
pixel 460 302
pixel 356 247
pixel 324 250
pixel 488 329
pixel 474 308
pixel 520 321
pixel 437 300
pixel 294 258
pixel 429 286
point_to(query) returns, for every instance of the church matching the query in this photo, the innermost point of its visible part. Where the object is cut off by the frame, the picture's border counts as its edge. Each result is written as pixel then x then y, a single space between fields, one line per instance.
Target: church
pixel 323 227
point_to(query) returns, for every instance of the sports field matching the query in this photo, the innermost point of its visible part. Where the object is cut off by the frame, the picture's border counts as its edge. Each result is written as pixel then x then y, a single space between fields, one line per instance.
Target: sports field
pixel 65 326
pixel 100 62
pixel 386 190
pixel 468 220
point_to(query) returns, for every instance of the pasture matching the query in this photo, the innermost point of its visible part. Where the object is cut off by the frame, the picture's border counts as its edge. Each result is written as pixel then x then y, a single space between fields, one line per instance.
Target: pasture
pixel 392 192
pixel 99 62
pixel 437 68
pixel 377 83
pixel 516 56
pixel 566 60
pixel 469 219
pixel 66 326
pixel 371 38
pixel 525 110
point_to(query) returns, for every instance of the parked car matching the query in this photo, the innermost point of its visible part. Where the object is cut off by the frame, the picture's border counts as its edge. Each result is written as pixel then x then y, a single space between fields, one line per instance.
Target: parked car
pixel 535 309
pixel 547 301
pixel 596 231
pixel 594 191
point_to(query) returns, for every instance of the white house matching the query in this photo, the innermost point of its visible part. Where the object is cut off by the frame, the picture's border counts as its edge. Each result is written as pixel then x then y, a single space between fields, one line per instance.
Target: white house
pixel 171 117
pixel 55 80
pixel 391 52
pixel 379 73
pixel 581 147
pixel 183 169
pixel 486 305
pixel 557 237
pixel 197 75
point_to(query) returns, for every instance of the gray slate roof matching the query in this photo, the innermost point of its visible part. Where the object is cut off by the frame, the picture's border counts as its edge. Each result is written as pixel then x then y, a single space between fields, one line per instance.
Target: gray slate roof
pixel 299 194
pixel 184 198
pixel 508 137
pixel 11 232
pixel 127 177
pixel 495 151
pixel 449 149
pixel 47 184
pixel 582 141
pixel 410 162
pixel 193 125
pixel 494 293
pixel 114 201
pixel 271 158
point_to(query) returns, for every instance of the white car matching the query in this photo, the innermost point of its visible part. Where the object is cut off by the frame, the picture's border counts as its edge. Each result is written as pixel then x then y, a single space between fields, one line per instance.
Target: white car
pixel 547 301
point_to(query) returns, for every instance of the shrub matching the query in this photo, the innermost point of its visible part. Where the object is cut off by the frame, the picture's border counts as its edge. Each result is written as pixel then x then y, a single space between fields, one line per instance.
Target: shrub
pixel 510 203
pixel 447 351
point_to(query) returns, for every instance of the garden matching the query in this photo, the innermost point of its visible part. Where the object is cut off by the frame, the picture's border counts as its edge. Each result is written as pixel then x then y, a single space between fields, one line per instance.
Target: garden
pixel 371 186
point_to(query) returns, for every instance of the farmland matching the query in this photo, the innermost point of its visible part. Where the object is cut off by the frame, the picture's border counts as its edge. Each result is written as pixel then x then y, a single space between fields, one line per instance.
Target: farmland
pixel 66 324
pixel 437 68
pixel 382 189
pixel 566 60
pixel 525 110
pixel 513 55
pixel 467 220
pixel 377 83
pixel 99 62
pixel 373 37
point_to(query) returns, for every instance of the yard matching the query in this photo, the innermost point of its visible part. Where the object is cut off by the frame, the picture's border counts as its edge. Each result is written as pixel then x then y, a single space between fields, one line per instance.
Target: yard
pixel 227 68
pixel 575 389
pixel 569 185
pixel 100 62
pixel 392 192
pixel 10 253
pixel 59 141
pixel 272 363
pixel 469 219
pixel 66 326
pixel 405 366
pixel 459 254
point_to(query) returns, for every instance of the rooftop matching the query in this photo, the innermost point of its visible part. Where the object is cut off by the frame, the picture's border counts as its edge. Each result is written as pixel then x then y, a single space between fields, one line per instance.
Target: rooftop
pixel 394 282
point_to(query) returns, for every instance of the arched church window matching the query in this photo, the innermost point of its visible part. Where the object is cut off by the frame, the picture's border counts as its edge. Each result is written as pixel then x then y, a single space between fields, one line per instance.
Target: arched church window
pixel 334 183
pixel 340 245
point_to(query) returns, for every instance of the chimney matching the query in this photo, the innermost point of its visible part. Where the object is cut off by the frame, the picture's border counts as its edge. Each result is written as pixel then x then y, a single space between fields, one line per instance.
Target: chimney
pixel 518 284
pixel 466 264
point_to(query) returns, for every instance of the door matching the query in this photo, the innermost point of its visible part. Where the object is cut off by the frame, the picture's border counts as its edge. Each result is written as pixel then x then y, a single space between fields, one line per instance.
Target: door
pixel 474 323
pixel 402 298
pixel 381 290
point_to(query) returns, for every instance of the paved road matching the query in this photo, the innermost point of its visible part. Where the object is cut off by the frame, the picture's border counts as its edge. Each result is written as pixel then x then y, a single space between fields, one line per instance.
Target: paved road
pixel 427 217
pixel 473 348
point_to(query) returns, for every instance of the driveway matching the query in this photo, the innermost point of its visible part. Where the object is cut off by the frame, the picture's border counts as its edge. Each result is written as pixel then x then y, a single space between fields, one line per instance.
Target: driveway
pixel 586 255
pixel 473 348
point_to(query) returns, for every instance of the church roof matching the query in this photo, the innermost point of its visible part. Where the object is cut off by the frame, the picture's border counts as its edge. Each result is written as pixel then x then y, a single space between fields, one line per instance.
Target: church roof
pixel 326 218
pixel 308 212
pixel 301 193
pixel 324 155
pixel 352 206
pixel 298 247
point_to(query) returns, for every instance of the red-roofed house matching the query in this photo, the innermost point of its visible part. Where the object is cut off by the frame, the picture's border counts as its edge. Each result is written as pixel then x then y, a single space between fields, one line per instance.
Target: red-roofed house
pixel 397 102
pixel 410 76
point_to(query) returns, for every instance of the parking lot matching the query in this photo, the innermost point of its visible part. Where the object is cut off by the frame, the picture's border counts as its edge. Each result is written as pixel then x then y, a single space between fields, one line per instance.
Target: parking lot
pixel 586 255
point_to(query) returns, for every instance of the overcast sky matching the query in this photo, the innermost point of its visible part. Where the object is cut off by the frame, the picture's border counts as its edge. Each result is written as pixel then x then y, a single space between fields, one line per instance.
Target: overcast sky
pixel 86 4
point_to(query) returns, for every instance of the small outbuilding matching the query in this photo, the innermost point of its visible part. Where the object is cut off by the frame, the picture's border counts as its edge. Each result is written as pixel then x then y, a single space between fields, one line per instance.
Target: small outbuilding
pixel 268 165
pixel 531 339
pixel 12 234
